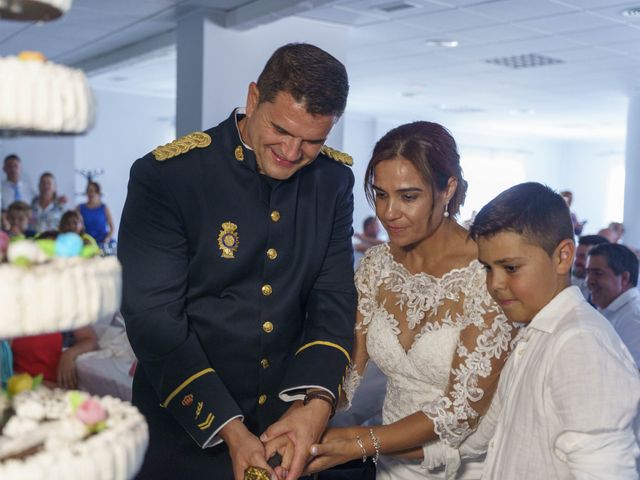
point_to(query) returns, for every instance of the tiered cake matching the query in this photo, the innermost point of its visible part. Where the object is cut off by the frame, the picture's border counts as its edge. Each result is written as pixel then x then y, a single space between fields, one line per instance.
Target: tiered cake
pixel 40 96
pixel 50 285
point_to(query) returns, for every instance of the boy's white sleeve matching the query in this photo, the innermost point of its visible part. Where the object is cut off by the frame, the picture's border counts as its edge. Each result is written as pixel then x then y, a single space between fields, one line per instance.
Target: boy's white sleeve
pixel 478 442
pixel 606 455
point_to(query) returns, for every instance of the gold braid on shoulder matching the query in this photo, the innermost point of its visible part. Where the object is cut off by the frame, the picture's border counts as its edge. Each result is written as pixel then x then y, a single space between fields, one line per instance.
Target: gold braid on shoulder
pixel 182 145
pixel 337 155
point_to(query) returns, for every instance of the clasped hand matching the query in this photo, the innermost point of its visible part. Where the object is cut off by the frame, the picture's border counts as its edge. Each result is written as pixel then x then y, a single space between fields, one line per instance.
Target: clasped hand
pixel 292 437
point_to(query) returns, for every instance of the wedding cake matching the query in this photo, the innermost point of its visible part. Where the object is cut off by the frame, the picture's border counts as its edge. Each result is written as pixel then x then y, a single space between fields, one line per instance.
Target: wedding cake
pixel 42 292
pixel 53 434
pixel 37 95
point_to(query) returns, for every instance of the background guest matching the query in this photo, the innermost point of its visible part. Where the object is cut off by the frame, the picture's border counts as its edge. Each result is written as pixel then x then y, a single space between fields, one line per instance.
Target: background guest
pixel 577 225
pixel 43 354
pixel 18 216
pixel 613 232
pixel 47 206
pixel 71 221
pixel 14 186
pixel 579 271
pixel 368 238
pixel 96 215
pixel 612 278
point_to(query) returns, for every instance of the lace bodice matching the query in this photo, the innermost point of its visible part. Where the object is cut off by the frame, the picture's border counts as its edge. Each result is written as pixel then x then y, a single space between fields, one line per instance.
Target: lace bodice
pixel 458 341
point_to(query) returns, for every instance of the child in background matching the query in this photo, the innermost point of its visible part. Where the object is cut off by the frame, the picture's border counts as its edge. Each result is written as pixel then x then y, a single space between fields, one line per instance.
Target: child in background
pixel 71 221
pixel 18 217
pixel 568 395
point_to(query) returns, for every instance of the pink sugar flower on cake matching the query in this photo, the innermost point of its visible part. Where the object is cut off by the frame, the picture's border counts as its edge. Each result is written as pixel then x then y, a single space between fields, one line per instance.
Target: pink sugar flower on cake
pixel 92 414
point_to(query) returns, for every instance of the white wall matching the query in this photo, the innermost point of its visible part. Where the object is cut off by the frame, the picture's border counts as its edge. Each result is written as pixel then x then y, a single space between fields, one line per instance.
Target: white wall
pixel 492 164
pixel 127 127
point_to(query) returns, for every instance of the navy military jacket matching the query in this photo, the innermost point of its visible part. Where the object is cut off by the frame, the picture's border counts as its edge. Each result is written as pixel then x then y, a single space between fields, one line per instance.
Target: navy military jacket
pixel 237 289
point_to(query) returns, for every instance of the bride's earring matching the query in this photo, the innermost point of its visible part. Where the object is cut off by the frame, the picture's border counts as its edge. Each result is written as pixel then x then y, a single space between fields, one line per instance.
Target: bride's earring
pixel 446 210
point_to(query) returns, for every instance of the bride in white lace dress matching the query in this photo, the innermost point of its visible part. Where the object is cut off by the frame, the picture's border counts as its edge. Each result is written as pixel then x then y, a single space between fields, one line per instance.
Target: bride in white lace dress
pixel 424 315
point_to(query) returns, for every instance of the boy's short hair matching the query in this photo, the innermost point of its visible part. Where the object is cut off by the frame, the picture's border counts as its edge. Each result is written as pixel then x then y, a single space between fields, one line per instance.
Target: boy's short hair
pixel 529 209
pixel 19 207
pixel 619 258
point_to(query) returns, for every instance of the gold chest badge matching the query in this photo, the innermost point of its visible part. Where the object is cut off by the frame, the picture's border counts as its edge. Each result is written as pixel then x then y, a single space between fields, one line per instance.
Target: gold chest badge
pixel 228 239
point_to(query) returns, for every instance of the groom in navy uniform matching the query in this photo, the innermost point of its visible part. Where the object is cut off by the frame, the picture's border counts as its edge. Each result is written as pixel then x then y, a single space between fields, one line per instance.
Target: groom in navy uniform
pixel 238 287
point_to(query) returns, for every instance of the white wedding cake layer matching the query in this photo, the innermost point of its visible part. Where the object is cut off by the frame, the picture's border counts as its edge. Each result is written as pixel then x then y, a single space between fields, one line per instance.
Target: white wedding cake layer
pixel 62 294
pixel 40 96
pixel 46 439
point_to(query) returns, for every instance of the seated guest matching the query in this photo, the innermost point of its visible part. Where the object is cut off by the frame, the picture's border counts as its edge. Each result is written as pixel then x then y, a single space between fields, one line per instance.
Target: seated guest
pixel 612 278
pixel 567 400
pixel 96 215
pixel 43 354
pixel 368 238
pixel 47 206
pixel 71 221
pixel 579 271
pixel 18 217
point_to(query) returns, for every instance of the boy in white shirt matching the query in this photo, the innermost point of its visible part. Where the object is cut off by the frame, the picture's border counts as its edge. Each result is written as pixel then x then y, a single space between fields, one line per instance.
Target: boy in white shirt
pixel 568 396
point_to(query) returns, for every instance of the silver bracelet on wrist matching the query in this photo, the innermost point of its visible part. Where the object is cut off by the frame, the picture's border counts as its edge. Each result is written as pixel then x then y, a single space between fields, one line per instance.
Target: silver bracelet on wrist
pixel 364 450
pixel 376 445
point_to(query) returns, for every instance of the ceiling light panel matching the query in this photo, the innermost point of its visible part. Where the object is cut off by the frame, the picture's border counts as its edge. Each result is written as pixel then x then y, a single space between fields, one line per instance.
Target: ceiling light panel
pixel 528 60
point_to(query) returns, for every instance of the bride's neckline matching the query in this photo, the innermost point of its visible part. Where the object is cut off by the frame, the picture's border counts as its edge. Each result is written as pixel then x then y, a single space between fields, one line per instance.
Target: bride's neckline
pixel 405 270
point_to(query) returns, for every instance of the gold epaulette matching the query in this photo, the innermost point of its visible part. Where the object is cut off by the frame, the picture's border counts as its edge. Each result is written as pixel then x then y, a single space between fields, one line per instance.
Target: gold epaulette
pixel 337 155
pixel 182 145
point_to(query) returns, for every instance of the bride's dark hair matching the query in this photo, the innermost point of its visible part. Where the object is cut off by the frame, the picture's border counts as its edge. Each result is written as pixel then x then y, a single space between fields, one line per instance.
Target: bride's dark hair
pixel 432 151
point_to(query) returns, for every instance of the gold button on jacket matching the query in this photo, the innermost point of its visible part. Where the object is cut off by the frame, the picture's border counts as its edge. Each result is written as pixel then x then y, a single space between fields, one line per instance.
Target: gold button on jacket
pixel 267 290
pixel 267 327
pixel 265 363
pixel 272 254
pixel 262 399
pixel 275 216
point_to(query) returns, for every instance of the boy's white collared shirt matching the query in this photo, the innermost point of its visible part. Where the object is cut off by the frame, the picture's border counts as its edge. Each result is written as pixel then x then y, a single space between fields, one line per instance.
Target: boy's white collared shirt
pixel 566 403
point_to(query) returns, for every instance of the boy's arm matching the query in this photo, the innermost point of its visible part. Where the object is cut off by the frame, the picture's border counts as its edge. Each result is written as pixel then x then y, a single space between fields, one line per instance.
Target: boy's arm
pixel 595 393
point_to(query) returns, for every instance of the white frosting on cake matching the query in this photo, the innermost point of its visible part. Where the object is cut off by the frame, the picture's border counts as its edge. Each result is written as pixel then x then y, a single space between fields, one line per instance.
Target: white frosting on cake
pixel 63 294
pixel 43 96
pixel 66 448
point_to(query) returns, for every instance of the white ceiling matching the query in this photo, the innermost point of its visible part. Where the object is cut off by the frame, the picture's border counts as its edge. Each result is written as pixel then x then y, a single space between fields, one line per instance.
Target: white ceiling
pixel 393 71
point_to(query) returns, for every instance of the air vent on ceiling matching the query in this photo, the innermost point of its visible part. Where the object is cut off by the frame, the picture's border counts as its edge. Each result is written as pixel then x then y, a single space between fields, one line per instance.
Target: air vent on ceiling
pixel 529 60
pixel 394 7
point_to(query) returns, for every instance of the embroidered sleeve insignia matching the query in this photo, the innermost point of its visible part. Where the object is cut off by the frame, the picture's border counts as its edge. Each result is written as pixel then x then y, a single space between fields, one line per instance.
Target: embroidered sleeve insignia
pixel 182 145
pixel 337 155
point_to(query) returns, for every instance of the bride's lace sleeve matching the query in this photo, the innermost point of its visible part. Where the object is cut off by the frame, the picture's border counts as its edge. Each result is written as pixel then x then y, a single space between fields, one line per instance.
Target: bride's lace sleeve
pixel 482 349
pixel 365 280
